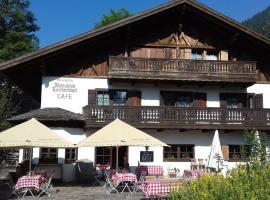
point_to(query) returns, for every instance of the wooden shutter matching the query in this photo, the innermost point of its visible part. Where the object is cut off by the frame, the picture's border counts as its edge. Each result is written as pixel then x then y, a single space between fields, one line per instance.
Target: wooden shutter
pixel 92 97
pixel 134 97
pixel 222 99
pixel 225 152
pixel 258 101
pixel 199 100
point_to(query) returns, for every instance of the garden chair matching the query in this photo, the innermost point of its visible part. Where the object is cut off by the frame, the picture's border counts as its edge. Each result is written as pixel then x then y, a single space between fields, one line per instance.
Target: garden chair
pixel 12 179
pixel 138 184
pixel 46 187
pixel 193 164
pixel 109 186
pixel 201 164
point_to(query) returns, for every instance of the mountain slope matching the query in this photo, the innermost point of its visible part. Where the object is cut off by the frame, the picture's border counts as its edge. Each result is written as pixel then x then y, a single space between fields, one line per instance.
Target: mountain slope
pixel 260 22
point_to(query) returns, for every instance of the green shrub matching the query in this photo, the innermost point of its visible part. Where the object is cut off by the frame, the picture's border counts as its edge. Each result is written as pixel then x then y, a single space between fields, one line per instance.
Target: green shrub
pixel 252 183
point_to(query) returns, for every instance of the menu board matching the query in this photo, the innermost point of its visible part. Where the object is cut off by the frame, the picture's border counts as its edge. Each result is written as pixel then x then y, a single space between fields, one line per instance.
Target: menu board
pixel 146 156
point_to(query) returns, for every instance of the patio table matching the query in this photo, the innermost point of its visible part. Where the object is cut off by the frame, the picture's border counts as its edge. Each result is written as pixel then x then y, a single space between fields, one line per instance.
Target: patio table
pixel 158 186
pixel 124 178
pixel 150 170
pixel 29 182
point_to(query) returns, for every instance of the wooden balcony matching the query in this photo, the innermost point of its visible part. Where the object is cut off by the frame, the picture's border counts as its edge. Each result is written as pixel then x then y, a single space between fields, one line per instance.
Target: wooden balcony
pixel 178 118
pixel 182 70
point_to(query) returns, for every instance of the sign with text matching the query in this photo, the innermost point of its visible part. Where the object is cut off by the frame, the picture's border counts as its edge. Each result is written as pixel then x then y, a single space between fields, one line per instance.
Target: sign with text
pixel 146 156
pixel 64 88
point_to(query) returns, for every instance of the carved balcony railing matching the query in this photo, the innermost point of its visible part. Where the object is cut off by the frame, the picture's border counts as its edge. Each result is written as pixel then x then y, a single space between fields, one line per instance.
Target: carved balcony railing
pixel 175 117
pixel 184 70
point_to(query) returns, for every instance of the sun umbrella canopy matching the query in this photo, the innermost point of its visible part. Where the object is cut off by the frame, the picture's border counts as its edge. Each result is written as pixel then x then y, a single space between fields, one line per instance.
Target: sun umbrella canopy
pixel 31 134
pixel 119 133
pixel 215 151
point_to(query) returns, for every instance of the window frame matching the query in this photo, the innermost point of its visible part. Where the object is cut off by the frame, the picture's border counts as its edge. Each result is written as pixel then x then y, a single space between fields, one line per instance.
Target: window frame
pixel 48 161
pixel 239 153
pixel 103 155
pixel 179 157
pixel 103 93
pixel 114 100
pixel 69 159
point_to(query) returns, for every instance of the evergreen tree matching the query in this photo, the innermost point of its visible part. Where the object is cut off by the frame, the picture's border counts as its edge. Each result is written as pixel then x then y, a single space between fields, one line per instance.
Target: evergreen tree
pixel 17 27
pixel 260 22
pixel 113 17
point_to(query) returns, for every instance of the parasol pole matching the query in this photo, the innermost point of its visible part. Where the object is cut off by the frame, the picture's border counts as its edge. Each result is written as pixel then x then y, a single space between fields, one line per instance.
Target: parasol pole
pixel 117 158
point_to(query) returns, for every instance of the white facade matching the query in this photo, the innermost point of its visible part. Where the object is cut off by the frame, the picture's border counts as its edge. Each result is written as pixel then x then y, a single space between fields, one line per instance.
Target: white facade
pixel 72 94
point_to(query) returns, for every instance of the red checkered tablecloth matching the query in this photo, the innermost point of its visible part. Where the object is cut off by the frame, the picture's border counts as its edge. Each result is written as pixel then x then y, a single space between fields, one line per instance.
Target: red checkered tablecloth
pixel 151 170
pixel 123 177
pixel 192 173
pixel 29 182
pixel 154 187
pixel 42 173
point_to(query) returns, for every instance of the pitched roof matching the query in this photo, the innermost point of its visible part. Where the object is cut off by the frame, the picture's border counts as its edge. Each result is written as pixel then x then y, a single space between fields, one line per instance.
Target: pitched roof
pixel 48 115
pixel 91 34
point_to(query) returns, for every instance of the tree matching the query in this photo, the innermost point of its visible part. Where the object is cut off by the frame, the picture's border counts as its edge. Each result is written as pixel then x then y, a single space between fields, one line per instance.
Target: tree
pixel 17 27
pixel 113 17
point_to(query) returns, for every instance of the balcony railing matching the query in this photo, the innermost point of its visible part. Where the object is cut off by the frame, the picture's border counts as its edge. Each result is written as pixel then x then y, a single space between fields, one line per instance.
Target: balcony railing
pixel 186 70
pixel 175 117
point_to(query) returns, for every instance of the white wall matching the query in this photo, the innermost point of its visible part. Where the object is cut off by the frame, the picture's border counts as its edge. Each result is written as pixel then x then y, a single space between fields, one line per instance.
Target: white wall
pixel 261 89
pixel 68 93
pixel 202 142
pixel 72 93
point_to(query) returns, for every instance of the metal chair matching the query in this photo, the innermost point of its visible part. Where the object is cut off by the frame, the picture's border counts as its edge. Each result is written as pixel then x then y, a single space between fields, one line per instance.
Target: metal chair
pixel 138 184
pixel 109 186
pixel 12 179
pixel 46 187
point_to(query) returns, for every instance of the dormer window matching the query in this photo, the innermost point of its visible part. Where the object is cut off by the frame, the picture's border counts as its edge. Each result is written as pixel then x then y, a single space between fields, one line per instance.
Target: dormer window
pixel 212 55
pixel 197 54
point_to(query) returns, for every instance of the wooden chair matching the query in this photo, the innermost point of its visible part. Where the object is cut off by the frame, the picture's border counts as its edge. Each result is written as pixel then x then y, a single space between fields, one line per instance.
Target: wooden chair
pixel 193 164
pixel 201 164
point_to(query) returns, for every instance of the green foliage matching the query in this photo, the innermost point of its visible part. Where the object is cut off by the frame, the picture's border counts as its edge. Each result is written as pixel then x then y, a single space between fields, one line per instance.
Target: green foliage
pixel 17 25
pixel 260 22
pixel 257 142
pixel 241 184
pixel 113 17
pixel 249 182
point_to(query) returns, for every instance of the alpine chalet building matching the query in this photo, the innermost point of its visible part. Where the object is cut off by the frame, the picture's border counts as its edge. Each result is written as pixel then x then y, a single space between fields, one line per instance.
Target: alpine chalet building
pixel 179 72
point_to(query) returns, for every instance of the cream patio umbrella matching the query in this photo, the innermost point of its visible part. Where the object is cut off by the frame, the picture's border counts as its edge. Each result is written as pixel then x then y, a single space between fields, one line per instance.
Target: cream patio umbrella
pixel 215 151
pixel 31 134
pixel 119 133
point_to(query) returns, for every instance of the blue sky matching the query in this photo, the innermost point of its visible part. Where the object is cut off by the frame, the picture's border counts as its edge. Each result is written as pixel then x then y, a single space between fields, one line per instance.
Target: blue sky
pixel 62 19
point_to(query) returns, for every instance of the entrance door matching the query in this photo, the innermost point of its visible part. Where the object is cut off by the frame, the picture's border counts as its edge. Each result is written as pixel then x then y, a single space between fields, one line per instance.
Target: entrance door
pixel 122 157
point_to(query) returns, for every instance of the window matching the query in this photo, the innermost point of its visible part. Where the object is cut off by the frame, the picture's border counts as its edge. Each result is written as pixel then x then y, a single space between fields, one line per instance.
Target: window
pixel 238 152
pixel 27 153
pixel 103 155
pixel 70 155
pixel 212 55
pixel 178 152
pixel 103 98
pixel 178 99
pixel 119 97
pixel 48 156
pixel 232 102
pixel 183 101
pixel 197 54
